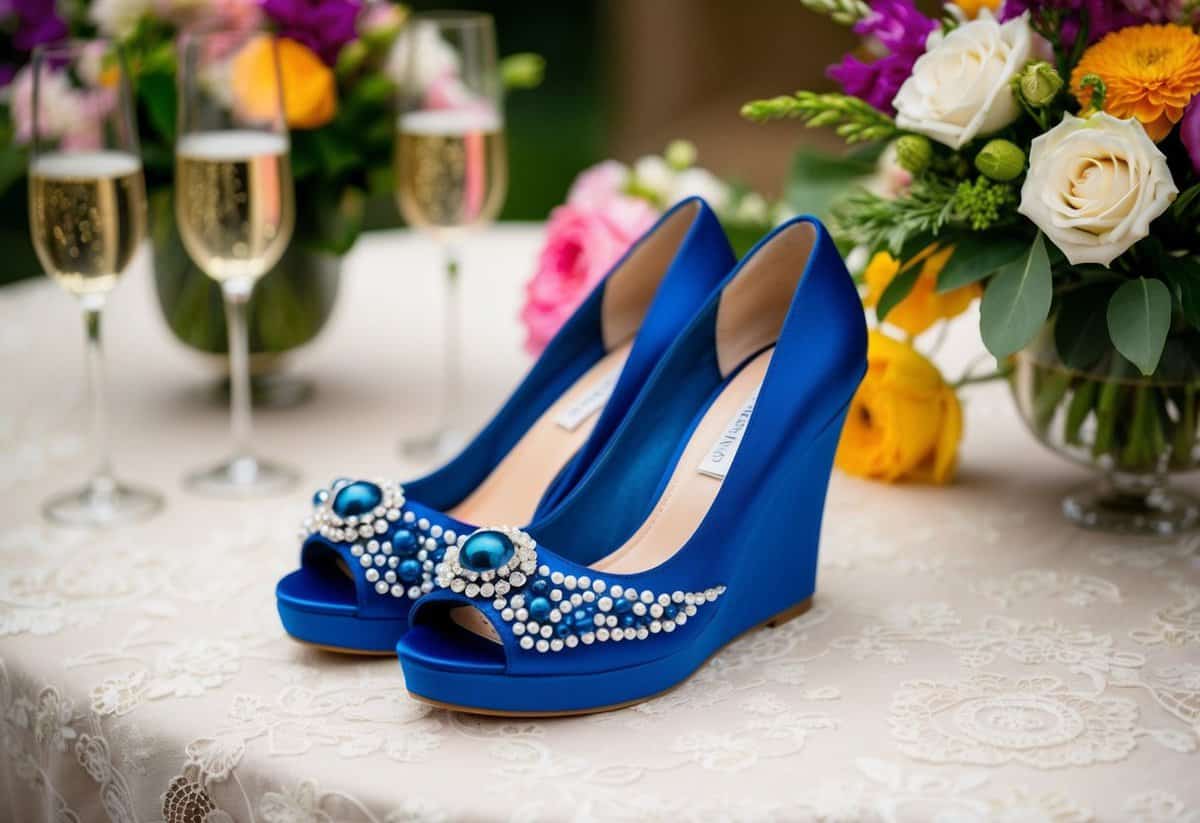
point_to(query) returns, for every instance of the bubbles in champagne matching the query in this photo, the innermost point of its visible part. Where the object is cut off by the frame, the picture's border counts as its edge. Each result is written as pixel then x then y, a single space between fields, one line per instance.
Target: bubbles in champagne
pixel 450 167
pixel 88 216
pixel 233 201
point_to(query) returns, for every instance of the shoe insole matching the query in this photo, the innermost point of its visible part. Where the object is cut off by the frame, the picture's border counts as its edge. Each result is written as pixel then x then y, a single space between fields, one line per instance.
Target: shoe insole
pixel 687 497
pixel 510 493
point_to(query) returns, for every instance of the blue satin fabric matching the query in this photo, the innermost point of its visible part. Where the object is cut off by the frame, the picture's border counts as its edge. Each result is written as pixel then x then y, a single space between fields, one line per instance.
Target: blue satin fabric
pixel 758 539
pixel 311 594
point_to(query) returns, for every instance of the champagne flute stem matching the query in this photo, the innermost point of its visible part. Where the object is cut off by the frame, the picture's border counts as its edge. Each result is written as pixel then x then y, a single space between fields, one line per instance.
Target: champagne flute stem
pixel 101 484
pixel 452 374
pixel 237 297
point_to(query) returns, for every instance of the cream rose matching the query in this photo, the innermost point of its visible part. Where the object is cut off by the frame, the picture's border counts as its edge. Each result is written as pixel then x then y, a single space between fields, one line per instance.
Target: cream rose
pixel 960 88
pixel 1094 185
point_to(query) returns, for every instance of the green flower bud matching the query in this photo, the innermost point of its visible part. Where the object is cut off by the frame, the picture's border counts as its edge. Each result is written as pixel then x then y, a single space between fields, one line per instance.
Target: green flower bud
pixel 1039 83
pixel 351 58
pixel 914 152
pixel 680 154
pixel 1000 160
pixel 522 71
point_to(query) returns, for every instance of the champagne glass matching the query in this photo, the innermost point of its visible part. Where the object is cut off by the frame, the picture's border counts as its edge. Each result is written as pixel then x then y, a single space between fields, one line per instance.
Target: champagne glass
pixel 87 215
pixel 234 206
pixel 450 167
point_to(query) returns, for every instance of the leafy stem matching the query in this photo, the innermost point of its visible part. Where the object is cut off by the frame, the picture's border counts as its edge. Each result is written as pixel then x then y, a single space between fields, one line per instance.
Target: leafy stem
pixel 853 119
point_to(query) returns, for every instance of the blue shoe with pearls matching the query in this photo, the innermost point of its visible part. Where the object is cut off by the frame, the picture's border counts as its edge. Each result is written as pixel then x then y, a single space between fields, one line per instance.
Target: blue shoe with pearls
pixel 698 521
pixel 370 547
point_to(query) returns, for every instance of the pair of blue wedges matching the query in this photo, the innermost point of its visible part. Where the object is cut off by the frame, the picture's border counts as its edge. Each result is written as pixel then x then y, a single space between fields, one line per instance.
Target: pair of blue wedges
pixel 651 490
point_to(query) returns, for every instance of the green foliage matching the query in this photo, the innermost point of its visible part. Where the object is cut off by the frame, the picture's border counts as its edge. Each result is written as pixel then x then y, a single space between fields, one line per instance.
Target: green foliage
pixel 1183 274
pixel 984 203
pixel 977 256
pixel 896 291
pixel 846 12
pixel 817 178
pixel 853 119
pixel 1094 84
pixel 525 70
pixel 1017 301
pixel 1139 317
pixel 897 225
pixel 1081 327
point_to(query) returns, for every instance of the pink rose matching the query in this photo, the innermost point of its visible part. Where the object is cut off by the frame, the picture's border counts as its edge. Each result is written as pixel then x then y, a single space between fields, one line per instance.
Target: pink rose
pixel 582 244
pixel 596 186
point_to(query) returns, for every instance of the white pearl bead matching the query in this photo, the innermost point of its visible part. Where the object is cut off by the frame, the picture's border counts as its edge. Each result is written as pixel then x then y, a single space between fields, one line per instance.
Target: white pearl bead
pixel 449 536
pixel 414 592
pixel 588 639
pixel 556 578
pixel 372 575
pixel 605 604
pixel 599 586
pixel 556 645
pixel 397 590
pixel 656 610
pixel 602 634
pixel 423 524
pixel 526 642
pixel 522 613
pixel 639 609
pixel 556 595
pixel 584 581
pixel 507 615
pixel 382 587
pixel 518 628
pixel 569 582
pixel 572 641
pixel 546 631
pixel 435 531
pixel 616 590
pixel 409 517
pixel 543 645
pixel 647 597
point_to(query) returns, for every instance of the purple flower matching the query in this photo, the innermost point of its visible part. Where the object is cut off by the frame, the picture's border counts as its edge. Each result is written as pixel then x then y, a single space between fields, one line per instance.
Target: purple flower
pixel 1189 131
pixel 898 28
pixel 1103 16
pixel 32 23
pixel 322 25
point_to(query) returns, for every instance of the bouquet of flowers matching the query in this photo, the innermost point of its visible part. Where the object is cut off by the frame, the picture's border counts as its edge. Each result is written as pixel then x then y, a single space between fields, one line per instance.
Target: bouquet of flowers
pixel 608 207
pixel 1046 158
pixel 341 62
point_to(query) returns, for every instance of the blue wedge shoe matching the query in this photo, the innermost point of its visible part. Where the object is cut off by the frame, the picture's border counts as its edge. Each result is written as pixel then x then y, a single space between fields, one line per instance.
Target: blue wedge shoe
pixel 370 548
pixel 698 521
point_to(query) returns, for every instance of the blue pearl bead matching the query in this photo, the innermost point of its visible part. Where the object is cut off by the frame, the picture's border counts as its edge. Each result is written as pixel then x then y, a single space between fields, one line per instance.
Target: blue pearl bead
pixel 539 608
pixel 485 551
pixel 562 630
pixel 622 606
pixel 670 611
pixel 356 499
pixel 540 586
pixel 404 541
pixel 320 497
pixel 629 621
pixel 409 571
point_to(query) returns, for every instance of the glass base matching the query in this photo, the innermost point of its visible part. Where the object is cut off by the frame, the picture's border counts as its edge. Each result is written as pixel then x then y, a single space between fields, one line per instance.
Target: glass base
pixel 100 507
pixel 1146 508
pixel 270 391
pixel 435 445
pixel 242 477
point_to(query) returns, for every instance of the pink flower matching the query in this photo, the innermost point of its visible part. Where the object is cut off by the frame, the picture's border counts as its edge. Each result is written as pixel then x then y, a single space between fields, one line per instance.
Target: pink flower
pixel 584 239
pixel 70 116
pixel 596 186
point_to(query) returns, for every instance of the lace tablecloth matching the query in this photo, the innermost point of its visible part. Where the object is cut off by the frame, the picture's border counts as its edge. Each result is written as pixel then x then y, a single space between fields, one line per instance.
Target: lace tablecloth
pixel 970 656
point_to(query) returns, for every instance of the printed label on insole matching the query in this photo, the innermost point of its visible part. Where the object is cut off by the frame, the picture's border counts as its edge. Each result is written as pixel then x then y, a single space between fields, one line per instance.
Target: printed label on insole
pixel 717 461
pixel 593 400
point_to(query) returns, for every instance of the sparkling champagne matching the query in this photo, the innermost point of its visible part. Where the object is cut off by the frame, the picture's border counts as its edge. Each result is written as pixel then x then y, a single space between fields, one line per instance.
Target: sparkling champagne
pixel 450 168
pixel 233 201
pixel 87 215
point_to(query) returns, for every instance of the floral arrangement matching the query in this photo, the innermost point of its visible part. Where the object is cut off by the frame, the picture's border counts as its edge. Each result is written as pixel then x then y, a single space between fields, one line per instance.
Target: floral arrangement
pixel 608 207
pixel 1044 157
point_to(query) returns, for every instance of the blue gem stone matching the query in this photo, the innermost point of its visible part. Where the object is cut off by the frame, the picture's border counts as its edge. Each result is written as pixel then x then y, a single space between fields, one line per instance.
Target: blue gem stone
pixel 320 497
pixel 670 611
pixel 622 606
pixel 437 555
pixel 404 541
pixel 485 551
pixel 562 630
pixel 539 608
pixel 581 617
pixel 409 571
pixel 629 621
pixel 356 499
pixel 540 586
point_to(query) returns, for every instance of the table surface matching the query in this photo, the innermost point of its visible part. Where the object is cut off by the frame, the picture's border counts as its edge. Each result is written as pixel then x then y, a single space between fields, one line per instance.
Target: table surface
pixel 970 655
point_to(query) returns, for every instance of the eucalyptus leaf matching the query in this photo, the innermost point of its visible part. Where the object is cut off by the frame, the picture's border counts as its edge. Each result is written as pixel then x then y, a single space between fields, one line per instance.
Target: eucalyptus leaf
pixel 897 290
pixel 1017 301
pixel 1081 329
pixel 1139 317
pixel 976 257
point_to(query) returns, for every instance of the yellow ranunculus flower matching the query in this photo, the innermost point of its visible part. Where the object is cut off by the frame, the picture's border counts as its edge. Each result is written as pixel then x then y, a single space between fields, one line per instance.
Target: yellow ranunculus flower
pixel 923 306
pixel 971 8
pixel 904 422
pixel 309 87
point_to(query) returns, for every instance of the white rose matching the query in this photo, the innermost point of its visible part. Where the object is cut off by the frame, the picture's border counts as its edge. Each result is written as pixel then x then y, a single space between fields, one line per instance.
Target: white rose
pixel 701 183
pixel 1094 185
pixel 435 60
pixel 959 88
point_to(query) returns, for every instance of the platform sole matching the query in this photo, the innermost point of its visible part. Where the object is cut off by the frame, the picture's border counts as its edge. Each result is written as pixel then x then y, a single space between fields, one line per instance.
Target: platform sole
pixel 779 619
pixel 344 634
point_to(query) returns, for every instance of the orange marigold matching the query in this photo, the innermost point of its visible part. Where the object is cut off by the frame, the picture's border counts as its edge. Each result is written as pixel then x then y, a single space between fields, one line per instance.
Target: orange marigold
pixel 1151 72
